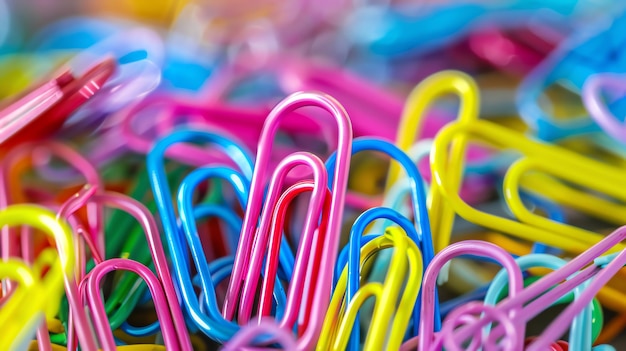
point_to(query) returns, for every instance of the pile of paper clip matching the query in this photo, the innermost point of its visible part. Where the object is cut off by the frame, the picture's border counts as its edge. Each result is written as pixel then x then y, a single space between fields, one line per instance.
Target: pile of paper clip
pixel 313 175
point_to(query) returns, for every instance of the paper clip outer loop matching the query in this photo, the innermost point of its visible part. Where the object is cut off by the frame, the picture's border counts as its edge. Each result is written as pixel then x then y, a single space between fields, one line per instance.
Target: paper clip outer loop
pixel 94 300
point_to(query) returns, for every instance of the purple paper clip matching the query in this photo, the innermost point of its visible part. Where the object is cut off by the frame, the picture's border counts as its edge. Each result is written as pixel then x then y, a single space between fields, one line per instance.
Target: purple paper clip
pixel 592 98
pixel 529 302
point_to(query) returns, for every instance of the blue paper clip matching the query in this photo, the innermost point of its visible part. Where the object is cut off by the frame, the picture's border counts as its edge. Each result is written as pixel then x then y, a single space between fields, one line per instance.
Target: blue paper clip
pixel 593 49
pixel 211 324
pixel 423 238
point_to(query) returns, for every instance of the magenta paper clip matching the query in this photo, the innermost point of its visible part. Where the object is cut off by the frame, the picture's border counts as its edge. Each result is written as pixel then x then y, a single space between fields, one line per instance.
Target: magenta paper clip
pixel 516 52
pixel 167 112
pixel 321 293
pixel 91 289
pixel 373 110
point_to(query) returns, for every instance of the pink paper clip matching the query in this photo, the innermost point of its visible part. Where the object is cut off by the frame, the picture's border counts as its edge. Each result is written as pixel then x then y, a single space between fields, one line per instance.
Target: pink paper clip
pixel 321 294
pixel 50 104
pixel 430 341
pixel 306 256
pixel 88 196
pixel 247 335
pixel 92 294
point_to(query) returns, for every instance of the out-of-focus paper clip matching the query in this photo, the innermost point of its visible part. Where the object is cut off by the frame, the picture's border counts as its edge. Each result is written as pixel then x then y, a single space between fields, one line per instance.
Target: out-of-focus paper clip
pixel 12 170
pixel 598 109
pixel 139 129
pixel 517 51
pixel 50 104
pixel 593 49
pixel 138 54
pixel 23 310
pixel 401 31
pixel 60 267
pixel 392 307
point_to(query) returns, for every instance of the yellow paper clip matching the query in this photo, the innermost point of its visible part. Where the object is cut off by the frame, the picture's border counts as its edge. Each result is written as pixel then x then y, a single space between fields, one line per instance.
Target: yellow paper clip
pixel 393 307
pixel 34 297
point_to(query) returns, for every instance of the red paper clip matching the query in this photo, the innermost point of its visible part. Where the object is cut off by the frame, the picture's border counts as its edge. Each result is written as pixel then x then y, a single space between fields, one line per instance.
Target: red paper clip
pixel 50 104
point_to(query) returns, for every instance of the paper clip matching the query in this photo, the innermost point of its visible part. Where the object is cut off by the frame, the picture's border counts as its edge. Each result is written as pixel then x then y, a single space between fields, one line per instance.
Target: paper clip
pixel 420 98
pixel 61 266
pixel 405 262
pixel 308 255
pixel 423 237
pixel 574 168
pixel 598 110
pixel 22 311
pixel 269 274
pixel 427 339
pixel 148 224
pixel 587 267
pixel 211 324
pixel 101 325
pixel 51 103
pixel 585 327
pixel 29 155
pixel 338 188
pixel 575 59
pixel 188 216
